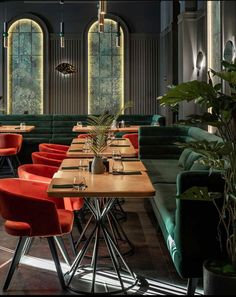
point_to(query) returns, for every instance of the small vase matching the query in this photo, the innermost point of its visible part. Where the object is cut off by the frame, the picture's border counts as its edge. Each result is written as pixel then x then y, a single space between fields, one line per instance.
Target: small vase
pixel 97 166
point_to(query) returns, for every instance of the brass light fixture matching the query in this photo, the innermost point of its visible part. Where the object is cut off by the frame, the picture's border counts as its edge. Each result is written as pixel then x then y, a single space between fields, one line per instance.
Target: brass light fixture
pixel 62 31
pixel 102 10
pixel 103 6
pixel 5 35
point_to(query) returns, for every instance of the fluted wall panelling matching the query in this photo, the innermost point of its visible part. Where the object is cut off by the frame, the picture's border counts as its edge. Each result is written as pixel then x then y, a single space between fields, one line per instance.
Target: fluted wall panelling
pixel 144 73
pixel 65 90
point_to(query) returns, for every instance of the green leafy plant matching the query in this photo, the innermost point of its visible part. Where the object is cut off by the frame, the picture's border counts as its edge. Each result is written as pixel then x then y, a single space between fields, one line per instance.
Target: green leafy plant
pixel 100 127
pixel 220 113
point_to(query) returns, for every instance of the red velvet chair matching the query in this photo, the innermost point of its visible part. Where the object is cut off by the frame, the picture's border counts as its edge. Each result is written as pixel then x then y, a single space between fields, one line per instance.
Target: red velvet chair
pixel 53 148
pixel 45 158
pixel 44 173
pixel 133 137
pixel 29 213
pixel 83 135
pixel 10 145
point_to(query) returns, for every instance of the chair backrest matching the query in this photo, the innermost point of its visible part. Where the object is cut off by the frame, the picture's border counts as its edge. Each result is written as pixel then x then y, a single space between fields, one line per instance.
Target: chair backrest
pixel 53 148
pixel 133 137
pixel 10 140
pixel 38 172
pixel 45 158
pixel 26 201
pixel 83 135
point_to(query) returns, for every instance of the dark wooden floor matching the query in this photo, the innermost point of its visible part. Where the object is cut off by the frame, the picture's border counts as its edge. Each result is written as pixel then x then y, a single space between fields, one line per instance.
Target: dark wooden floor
pixel 150 259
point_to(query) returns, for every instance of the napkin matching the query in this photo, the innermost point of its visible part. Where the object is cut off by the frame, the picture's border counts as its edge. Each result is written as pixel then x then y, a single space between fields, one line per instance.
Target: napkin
pixel 77 150
pixel 78 142
pixel 130 159
pixel 73 167
pixel 65 186
pixel 68 186
pixel 128 173
pixel 120 145
pixel 17 128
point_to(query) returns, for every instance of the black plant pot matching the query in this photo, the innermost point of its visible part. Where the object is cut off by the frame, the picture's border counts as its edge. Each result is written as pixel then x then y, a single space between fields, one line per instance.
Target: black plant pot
pixel 216 283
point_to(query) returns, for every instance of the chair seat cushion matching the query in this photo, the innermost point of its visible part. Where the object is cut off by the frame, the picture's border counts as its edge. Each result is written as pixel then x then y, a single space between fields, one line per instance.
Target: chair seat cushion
pixel 8 151
pixel 66 219
pixel 17 228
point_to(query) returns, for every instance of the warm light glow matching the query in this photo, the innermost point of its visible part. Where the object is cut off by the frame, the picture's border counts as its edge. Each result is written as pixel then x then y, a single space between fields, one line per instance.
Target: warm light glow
pixel 9 62
pixel 212 49
pixel 90 70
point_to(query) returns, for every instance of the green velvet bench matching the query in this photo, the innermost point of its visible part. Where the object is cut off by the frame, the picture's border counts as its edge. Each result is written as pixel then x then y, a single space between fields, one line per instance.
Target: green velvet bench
pixel 58 128
pixel 188 227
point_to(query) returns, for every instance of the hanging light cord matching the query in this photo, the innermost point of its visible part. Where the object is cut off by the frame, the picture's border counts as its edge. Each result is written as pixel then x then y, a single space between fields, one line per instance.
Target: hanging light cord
pixel 62 29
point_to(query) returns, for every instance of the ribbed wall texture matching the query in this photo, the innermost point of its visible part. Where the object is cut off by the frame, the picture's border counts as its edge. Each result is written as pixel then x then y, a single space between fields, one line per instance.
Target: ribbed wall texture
pixel 144 73
pixel 65 90
pixel 66 93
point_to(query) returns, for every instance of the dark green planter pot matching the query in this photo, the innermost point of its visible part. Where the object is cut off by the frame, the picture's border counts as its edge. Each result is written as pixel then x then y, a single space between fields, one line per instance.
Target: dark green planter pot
pixel 215 283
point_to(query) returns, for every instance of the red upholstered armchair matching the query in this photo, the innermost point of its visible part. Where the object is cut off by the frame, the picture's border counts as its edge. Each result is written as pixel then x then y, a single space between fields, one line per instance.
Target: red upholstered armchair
pixel 28 213
pixel 10 145
pixel 53 148
pixel 44 173
pixel 45 158
pixel 133 137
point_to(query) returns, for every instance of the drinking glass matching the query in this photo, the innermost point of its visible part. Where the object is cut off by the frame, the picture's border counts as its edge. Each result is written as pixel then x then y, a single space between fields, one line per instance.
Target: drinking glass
pixel 79 124
pixel 116 155
pixel 79 182
pixel 83 165
pixel 117 167
pixel 22 126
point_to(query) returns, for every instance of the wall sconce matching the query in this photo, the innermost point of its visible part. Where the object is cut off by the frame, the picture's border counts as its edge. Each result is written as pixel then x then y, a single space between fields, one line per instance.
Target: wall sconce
pixel 199 62
pixel 229 51
pixel 65 68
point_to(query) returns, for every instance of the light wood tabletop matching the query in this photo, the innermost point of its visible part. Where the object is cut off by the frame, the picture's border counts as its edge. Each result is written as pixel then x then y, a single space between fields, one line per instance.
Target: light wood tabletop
pixel 74 164
pixel 125 147
pixel 15 129
pixel 85 129
pixel 102 185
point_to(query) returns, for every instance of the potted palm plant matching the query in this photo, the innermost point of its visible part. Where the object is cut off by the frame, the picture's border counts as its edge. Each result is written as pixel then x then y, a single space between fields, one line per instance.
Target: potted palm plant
pixel 221 111
pixel 98 135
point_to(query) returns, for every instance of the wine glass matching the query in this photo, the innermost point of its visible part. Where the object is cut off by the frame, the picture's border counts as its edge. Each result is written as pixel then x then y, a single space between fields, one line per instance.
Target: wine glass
pixel 79 182
pixel 83 165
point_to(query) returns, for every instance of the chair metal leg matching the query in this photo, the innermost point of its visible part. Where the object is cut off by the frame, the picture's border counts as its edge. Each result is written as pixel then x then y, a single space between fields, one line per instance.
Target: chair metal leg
pixel 15 261
pixel 61 245
pixel 72 243
pixel 54 253
pixel 11 166
pixel 191 286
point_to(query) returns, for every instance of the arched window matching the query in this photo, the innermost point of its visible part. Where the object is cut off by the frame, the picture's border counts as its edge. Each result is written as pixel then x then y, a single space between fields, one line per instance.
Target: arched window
pixel 105 68
pixel 25 68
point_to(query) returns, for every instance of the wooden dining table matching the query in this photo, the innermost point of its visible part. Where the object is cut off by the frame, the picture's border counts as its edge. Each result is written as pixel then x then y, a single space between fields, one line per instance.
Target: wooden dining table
pixel 100 194
pixel 16 129
pixel 128 129
pixel 76 149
